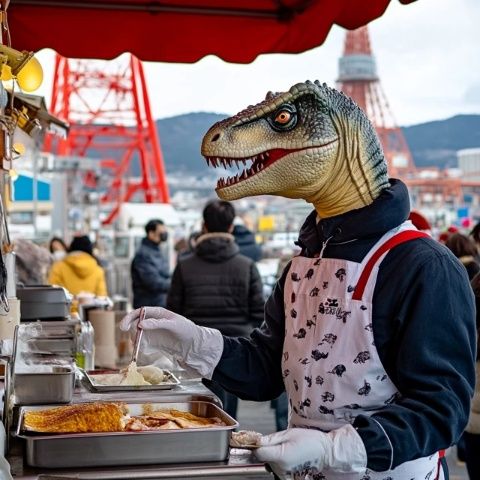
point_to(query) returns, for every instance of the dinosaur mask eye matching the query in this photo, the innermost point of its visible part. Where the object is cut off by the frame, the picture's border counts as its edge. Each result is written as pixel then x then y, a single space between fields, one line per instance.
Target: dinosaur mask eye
pixel 285 118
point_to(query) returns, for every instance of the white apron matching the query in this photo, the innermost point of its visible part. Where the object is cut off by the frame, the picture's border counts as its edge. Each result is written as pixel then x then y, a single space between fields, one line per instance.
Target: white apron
pixel 331 368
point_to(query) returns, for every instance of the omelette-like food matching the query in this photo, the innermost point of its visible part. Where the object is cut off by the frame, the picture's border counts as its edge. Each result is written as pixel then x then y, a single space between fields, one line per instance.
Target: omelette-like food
pixel 79 418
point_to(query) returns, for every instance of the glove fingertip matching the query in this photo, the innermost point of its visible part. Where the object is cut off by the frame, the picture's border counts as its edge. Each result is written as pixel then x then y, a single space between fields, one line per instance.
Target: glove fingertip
pixel 127 320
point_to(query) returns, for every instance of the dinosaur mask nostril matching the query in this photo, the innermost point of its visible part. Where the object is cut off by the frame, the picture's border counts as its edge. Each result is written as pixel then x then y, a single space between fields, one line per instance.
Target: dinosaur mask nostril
pixel 215 137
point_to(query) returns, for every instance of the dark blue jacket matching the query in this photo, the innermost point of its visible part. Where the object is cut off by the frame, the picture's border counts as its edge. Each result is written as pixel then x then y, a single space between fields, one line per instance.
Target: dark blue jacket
pixel 423 324
pixel 245 239
pixel 150 276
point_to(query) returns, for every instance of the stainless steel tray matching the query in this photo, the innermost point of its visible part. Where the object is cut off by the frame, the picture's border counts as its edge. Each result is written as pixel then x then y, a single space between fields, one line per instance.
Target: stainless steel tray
pixel 96 387
pixel 55 386
pixel 132 448
pixel 53 345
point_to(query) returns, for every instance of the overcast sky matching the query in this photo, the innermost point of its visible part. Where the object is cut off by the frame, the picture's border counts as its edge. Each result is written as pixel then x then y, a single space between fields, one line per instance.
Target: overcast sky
pixel 428 58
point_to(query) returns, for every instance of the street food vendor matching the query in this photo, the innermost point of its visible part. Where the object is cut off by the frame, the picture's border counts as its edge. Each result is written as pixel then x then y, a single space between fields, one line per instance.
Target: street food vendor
pixel 371 329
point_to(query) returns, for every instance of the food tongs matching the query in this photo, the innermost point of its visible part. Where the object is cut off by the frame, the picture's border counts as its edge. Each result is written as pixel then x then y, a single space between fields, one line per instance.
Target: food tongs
pixel 138 336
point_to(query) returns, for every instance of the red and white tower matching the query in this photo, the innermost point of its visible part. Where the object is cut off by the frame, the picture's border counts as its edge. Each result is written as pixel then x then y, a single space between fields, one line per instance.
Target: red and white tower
pixel 359 80
pixel 108 109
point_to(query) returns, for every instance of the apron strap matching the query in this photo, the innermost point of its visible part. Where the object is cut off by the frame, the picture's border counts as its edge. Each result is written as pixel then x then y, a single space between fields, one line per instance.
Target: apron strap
pixel 442 464
pixel 398 239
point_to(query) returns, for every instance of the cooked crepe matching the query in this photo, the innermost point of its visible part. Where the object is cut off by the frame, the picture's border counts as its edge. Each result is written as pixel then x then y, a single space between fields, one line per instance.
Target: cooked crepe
pixel 245 438
pixel 145 422
pixel 186 419
pixel 80 418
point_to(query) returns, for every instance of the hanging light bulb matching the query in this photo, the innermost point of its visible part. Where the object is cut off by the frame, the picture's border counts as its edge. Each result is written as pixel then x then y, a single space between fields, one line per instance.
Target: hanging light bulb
pixel 23 65
pixel 30 77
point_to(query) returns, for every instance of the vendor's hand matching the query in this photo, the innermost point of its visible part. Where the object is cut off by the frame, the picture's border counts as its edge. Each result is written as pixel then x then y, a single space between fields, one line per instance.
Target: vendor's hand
pixel 302 449
pixel 199 348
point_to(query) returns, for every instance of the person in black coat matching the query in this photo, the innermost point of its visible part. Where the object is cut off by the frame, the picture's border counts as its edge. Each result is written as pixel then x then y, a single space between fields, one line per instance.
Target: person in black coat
pixel 216 286
pixel 245 239
pixel 149 269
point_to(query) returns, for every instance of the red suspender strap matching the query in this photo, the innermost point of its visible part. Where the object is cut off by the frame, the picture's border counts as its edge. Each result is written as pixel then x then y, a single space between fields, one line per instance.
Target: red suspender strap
pixel 441 456
pixel 397 239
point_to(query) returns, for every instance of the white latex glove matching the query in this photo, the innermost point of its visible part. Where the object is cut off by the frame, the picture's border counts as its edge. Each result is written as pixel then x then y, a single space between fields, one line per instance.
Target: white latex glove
pixel 300 449
pixel 199 348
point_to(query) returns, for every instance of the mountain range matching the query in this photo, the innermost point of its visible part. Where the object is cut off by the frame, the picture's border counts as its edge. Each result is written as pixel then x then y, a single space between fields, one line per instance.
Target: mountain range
pixel 432 143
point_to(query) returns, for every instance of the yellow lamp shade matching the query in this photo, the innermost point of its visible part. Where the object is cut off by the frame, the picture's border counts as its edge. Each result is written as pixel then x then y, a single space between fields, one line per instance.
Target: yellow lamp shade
pixel 6 73
pixel 30 77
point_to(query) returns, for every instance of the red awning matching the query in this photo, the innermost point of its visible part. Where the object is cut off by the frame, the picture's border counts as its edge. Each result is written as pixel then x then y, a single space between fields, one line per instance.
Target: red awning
pixel 182 30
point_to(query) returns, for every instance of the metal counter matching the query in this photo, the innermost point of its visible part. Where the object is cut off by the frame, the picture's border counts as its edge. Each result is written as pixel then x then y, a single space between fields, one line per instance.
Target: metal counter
pixel 240 464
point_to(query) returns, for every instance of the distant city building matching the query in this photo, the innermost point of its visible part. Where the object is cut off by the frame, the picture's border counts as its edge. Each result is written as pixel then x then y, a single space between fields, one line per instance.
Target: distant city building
pixel 469 163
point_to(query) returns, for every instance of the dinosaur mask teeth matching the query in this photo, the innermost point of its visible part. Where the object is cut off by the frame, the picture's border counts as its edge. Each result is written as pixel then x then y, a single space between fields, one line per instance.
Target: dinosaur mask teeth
pixel 230 162
pixel 259 163
pixel 249 172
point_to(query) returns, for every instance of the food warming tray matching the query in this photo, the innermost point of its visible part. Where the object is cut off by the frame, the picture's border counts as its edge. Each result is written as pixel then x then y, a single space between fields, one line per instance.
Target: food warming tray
pixel 132 448
pixel 89 376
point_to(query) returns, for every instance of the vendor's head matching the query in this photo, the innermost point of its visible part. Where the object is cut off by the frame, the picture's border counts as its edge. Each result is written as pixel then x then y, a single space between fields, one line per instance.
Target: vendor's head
pixel 81 243
pixel 156 231
pixel 218 216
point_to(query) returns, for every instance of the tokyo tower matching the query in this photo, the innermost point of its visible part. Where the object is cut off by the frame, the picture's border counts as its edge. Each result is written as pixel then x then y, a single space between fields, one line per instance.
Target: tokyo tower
pixel 359 80
pixel 108 109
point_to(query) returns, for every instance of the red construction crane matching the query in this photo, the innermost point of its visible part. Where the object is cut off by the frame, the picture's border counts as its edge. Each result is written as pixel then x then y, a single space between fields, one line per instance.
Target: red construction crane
pixel 108 109
pixel 358 79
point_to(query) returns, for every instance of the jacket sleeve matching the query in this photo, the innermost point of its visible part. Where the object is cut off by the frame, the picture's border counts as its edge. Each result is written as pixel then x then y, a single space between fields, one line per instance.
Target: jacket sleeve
pixel 175 294
pixel 256 302
pixel 54 276
pixel 433 368
pixel 152 279
pixel 251 368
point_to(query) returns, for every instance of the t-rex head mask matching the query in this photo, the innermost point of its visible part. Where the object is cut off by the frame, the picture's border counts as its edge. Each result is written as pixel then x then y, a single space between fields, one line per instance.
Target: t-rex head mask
pixel 311 142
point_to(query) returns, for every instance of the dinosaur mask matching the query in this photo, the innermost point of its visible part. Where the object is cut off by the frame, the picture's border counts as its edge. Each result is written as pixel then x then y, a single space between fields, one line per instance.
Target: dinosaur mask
pixel 311 142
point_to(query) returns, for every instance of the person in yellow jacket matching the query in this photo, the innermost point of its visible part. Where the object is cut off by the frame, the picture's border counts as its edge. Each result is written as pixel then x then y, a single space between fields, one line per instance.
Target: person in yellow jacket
pixel 79 271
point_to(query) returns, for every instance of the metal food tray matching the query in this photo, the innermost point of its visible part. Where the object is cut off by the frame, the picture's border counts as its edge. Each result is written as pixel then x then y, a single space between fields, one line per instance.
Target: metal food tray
pixel 132 448
pixel 55 386
pixel 96 387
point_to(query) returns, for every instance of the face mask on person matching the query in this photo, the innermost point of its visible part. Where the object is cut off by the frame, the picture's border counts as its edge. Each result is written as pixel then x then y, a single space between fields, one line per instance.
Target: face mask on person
pixel 59 255
pixel 163 236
